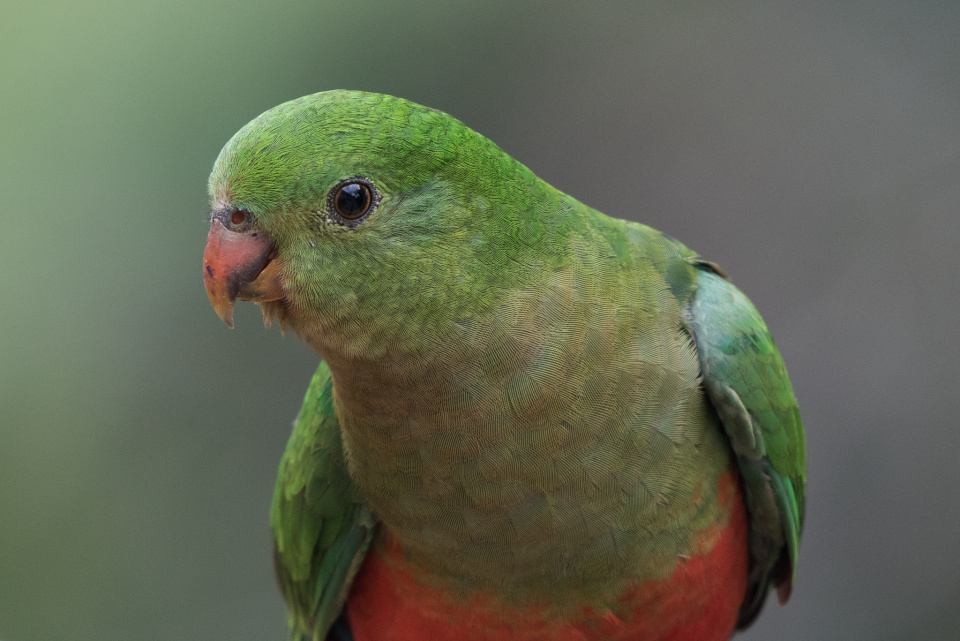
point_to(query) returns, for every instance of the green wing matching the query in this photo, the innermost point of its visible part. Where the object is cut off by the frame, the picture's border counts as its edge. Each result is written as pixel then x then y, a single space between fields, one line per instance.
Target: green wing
pixel 321 529
pixel 747 383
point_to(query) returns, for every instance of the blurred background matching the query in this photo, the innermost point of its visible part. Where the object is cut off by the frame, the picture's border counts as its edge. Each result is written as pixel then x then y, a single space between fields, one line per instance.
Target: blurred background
pixel 811 149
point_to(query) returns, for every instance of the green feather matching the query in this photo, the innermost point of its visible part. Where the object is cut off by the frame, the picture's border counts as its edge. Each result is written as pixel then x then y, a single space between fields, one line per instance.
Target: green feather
pixel 748 385
pixel 321 527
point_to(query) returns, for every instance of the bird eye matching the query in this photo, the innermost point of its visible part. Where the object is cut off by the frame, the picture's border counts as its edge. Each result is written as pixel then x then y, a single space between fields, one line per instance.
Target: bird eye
pixel 352 199
pixel 237 217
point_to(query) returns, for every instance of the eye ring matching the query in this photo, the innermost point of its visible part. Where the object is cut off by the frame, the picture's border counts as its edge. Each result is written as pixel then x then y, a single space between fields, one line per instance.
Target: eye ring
pixel 353 199
pixel 234 218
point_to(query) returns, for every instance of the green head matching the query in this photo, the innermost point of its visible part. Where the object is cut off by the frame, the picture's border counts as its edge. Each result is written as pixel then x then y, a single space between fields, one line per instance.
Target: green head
pixel 366 222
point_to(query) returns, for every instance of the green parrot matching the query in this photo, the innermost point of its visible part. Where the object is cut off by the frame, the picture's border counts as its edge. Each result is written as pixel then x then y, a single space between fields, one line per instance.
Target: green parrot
pixel 531 420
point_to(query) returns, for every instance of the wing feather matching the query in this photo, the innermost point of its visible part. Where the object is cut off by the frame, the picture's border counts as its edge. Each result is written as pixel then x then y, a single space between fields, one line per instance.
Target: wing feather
pixel 321 528
pixel 747 383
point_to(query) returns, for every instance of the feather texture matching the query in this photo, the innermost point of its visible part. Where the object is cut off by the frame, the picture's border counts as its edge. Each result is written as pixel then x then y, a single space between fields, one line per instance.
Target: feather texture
pixel 537 403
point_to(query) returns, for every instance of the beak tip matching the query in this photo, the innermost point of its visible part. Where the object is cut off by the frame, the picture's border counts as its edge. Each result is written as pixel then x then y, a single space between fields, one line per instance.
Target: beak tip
pixel 225 312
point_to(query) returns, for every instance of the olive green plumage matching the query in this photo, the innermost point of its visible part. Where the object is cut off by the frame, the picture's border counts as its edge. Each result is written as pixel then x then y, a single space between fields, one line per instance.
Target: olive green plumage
pixel 534 399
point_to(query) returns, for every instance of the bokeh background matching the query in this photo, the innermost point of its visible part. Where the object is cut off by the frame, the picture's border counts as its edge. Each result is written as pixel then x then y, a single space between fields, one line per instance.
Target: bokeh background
pixel 812 149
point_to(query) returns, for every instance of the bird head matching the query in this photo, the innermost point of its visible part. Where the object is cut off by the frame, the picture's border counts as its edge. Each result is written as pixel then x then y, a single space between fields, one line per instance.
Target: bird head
pixel 365 221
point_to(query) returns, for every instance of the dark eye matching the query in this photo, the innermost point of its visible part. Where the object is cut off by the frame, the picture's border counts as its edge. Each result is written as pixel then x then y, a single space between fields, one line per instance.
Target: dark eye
pixel 238 217
pixel 352 199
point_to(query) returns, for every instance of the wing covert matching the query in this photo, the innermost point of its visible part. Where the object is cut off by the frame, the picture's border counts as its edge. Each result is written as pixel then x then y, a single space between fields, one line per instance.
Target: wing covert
pixel 321 528
pixel 747 383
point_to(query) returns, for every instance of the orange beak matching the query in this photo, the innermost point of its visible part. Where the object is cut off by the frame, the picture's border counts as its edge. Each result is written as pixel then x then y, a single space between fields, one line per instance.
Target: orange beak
pixel 239 265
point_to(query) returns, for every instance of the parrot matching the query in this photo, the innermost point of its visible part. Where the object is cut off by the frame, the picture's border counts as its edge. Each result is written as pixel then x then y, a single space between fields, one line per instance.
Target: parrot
pixel 530 420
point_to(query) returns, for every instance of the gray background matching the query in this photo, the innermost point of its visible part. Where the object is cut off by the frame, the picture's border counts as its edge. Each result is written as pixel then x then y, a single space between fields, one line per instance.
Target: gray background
pixel 812 149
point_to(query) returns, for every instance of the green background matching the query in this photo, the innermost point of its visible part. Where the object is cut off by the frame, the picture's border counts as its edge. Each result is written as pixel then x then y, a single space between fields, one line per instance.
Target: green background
pixel 811 149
